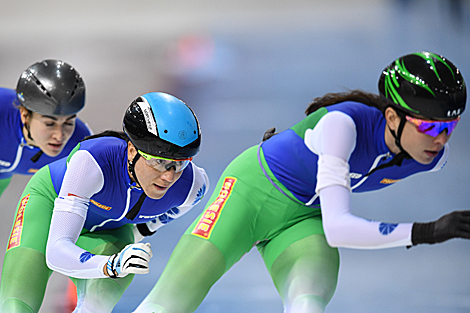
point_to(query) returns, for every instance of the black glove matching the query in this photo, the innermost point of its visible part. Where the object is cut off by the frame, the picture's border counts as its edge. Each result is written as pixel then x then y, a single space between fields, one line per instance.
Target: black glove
pixel 452 225
pixel 269 133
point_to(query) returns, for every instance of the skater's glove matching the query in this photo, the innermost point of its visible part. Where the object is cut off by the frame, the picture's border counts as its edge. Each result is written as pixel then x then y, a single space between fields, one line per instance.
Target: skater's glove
pixel 133 259
pixel 452 225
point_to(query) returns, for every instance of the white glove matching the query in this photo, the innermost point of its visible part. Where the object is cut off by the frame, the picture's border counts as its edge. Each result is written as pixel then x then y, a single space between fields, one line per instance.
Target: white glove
pixel 133 259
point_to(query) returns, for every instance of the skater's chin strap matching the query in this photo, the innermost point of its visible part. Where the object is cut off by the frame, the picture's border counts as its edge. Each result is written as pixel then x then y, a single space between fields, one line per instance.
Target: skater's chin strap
pixel 136 208
pixel 397 159
pixel 35 157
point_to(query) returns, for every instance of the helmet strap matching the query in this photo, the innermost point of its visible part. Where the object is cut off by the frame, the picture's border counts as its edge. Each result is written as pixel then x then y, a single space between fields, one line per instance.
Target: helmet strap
pixel 136 208
pixel 397 135
pixel 398 158
pixel 131 165
pixel 28 132
pixel 35 157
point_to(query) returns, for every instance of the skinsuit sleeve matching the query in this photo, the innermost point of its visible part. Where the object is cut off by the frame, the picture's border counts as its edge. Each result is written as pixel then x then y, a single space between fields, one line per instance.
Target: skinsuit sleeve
pixel 82 180
pixel 333 140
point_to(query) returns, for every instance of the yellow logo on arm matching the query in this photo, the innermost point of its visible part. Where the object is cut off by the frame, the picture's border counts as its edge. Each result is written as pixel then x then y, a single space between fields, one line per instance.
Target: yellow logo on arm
pixel 207 221
pixel 15 236
pixel 101 206
pixel 389 181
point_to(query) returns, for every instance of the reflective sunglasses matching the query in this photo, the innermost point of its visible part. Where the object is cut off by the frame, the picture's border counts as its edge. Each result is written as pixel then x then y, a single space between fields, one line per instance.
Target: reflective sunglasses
pixel 164 164
pixel 433 128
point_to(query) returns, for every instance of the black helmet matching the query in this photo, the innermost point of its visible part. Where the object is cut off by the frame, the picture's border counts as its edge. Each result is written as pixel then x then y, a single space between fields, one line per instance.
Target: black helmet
pixel 162 125
pixel 51 87
pixel 424 84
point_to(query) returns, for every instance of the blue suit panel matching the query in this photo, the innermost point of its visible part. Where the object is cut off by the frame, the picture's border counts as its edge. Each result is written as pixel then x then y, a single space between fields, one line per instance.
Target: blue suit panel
pixel 108 207
pixel 295 165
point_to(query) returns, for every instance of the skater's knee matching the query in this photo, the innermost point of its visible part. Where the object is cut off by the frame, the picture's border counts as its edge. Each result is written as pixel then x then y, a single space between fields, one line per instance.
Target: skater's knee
pixel 150 307
pixel 307 303
pixel 99 295
pixel 13 305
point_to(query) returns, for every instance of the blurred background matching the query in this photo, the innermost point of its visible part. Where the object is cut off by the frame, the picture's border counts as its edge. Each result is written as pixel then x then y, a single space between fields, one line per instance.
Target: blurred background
pixel 244 66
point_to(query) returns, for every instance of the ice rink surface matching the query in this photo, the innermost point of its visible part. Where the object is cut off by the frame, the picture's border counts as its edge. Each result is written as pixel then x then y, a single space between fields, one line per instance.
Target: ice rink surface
pixel 245 66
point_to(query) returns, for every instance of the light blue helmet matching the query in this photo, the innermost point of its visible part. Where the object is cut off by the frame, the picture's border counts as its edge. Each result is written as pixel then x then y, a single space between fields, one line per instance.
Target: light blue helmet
pixel 160 124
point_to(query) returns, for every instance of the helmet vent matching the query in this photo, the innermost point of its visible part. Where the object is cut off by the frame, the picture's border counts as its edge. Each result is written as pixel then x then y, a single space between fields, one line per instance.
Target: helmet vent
pixel 51 87
pixel 40 85
pixel 77 81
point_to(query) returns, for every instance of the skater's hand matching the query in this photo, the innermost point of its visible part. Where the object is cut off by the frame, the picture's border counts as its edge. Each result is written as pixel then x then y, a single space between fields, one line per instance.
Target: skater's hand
pixel 452 225
pixel 133 259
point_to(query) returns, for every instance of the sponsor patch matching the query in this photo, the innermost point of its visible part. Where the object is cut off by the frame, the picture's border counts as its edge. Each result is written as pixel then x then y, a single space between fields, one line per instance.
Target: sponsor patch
pixel 101 206
pixel 388 181
pixel 5 163
pixel 355 175
pixel 208 220
pixel 148 116
pixel 15 237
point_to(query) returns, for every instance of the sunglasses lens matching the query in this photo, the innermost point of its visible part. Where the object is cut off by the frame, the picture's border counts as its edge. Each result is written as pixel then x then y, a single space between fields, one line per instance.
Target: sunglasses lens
pixel 451 127
pixel 163 165
pixel 178 165
pixel 433 128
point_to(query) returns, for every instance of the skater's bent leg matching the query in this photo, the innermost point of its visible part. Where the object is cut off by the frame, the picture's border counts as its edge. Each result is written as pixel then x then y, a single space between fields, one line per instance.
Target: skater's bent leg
pixel 305 275
pixel 100 294
pixel 194 266
pixel 24 280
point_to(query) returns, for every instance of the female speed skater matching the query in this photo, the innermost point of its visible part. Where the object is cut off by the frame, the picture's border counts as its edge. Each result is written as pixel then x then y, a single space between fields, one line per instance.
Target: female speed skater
pixel 290 196
pixel 38 120
pixel 83 216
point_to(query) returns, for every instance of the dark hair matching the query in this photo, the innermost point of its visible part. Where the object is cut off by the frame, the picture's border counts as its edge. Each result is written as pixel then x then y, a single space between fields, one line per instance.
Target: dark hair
pixel 29 112
pixel 357 95
pixel 108 133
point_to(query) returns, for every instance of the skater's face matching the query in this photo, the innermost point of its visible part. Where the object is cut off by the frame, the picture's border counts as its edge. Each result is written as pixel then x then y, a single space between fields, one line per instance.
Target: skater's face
pixel 154 182
pixel 49 133
pixel 423 144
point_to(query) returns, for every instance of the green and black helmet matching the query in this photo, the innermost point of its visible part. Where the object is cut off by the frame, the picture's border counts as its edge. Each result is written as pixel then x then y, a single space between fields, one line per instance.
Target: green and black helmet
pixel 424 84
